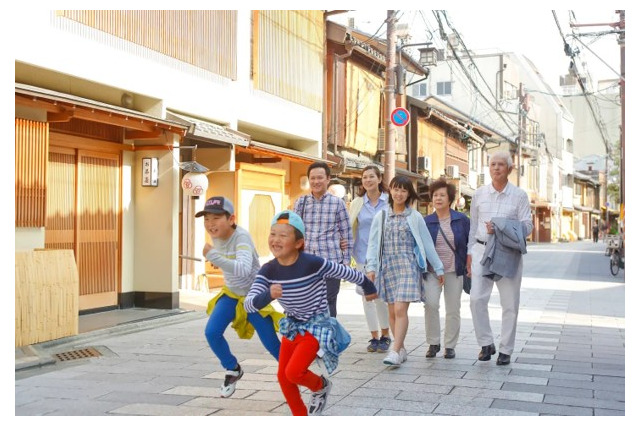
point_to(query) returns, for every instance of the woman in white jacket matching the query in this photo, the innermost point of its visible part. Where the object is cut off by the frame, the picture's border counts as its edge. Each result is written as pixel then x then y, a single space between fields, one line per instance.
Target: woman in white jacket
pixel 399 248
pixel 371 199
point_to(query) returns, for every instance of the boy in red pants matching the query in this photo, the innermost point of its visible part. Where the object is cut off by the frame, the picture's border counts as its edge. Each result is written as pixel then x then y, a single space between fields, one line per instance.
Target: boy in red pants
pixel 297 280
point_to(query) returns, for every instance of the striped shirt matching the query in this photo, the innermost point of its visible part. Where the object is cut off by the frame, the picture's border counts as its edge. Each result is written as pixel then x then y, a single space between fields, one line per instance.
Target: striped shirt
pixel 487 203
pixel 238 259
pixel 446 255
pixel 304 290
pixel 326 222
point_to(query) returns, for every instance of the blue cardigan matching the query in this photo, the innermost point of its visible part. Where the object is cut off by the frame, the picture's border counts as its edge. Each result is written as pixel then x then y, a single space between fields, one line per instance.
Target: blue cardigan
pixel 424 249
pixel 460 225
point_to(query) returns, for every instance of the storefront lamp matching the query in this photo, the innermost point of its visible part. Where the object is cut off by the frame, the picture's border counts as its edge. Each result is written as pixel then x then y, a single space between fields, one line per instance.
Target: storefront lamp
pixel 195 184
pixel 428 56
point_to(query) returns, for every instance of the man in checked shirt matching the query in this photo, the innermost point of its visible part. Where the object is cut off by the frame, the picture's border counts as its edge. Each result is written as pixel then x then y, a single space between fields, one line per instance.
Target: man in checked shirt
pixel 326 222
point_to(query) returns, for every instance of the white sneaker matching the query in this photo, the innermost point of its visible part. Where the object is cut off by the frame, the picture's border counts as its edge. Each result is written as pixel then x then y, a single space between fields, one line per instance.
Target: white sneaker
pixel 230 379
pixel 318 400
pixel 403 354
pixel 392 358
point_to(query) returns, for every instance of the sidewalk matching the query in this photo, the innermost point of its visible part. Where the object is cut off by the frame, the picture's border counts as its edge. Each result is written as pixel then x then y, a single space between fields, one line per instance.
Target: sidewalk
pixel 569 360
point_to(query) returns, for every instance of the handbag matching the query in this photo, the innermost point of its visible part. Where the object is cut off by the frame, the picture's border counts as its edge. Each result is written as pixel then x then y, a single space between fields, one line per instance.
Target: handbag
pixel 359 289
pixel 466 280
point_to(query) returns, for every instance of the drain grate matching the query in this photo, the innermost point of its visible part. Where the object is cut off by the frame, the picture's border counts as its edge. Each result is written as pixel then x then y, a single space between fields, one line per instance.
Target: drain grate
pixel 77 354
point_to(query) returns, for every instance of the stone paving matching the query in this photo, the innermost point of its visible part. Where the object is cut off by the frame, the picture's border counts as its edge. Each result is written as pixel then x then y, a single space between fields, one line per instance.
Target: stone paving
pixel 569 360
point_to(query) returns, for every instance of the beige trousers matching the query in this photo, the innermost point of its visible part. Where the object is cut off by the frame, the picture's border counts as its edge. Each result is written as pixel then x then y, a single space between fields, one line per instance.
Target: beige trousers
pixel 452 293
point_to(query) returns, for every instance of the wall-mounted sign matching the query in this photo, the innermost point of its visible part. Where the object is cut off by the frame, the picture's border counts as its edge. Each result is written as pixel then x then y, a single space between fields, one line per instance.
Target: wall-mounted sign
pixel 149 172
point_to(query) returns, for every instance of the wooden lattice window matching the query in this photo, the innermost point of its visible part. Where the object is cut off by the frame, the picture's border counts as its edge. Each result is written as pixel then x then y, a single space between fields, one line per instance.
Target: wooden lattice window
pixel 32 146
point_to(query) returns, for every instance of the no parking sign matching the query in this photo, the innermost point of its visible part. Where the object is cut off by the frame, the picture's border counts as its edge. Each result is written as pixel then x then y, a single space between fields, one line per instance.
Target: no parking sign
pixel 400 116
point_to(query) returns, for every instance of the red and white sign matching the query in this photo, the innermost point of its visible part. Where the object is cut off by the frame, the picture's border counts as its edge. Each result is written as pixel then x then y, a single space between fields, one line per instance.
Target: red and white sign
pixel 400 116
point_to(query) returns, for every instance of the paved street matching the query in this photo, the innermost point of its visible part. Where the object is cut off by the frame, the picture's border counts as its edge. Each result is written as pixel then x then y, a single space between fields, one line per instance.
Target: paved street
pixel 569 359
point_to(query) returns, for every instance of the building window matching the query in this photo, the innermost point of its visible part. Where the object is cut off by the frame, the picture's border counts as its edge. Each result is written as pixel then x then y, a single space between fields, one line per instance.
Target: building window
pixel 420 90
pixel 443 88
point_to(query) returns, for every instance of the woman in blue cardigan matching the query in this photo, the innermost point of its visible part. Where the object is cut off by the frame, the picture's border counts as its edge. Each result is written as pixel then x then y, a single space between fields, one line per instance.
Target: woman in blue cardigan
pixel 397 255
pixel 449 230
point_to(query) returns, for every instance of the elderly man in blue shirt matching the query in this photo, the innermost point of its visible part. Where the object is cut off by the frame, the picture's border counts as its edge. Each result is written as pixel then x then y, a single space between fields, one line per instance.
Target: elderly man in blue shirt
pixel 498 199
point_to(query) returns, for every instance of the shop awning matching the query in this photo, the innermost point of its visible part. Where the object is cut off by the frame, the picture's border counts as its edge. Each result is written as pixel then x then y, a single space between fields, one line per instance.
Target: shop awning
pixel 63 107
pixel 207 131
pixel 467 190
pixel 279 151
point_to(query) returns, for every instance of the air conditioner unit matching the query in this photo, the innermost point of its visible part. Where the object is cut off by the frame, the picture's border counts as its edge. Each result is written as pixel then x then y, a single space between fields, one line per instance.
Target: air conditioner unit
pixel 453 171
pixel 424 164
pixel 381 139
pixel 401 143
pixel 480 179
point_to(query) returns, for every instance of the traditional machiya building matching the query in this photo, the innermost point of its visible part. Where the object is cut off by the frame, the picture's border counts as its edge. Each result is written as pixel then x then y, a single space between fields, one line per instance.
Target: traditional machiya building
pixel 114 108
pixel 356 105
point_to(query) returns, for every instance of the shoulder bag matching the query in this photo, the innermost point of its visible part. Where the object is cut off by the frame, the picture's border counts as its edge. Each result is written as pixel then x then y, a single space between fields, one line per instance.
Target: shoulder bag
pixel 466 280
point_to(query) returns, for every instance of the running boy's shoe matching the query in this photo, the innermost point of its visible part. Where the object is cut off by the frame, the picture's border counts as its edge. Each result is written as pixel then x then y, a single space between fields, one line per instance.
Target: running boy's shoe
pixel 373 345
pixel 384 343
pixel 230 379
pixel 318 400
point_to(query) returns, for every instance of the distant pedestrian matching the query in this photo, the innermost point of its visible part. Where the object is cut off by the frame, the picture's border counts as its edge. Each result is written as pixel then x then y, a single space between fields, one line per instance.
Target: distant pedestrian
pixel 450 231
pixel 595 229
pixel 327 223
pixel 493 204
pixel 298 281
pixel 234 253
pixel 399 248
pixel 372 199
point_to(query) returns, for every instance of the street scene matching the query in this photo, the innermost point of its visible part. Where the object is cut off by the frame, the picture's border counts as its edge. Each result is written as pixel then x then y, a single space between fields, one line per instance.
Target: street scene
pixel 320 212
pixel 569 359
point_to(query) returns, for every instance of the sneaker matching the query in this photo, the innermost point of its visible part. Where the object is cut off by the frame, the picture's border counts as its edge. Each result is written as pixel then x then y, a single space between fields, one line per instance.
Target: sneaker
pixel 383 344
pixel 230 379
pixel 318 400
pixel 373 345
pixel 392 358
pixel 403 354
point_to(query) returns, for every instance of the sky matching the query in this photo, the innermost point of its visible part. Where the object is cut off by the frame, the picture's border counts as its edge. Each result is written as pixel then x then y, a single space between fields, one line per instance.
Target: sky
pixel 533 33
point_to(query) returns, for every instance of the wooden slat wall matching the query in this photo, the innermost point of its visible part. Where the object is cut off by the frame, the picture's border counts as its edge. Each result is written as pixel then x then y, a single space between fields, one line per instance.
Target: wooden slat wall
pixel 46 296
pixel 32 145
pixel 363 109
pixel 204 38
pixel 98 242
pixel 61 200
pixel 290 55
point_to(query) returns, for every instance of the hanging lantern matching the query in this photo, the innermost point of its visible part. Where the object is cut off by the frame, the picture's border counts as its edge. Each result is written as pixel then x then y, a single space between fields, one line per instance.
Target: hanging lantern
pixel 338 190
pixel 195 184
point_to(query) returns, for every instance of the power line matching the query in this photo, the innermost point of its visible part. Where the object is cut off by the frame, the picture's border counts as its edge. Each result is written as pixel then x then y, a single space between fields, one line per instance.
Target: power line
pixel 475 86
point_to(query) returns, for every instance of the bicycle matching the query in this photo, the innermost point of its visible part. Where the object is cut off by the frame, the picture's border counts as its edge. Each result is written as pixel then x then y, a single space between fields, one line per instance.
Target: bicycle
pixel 614 250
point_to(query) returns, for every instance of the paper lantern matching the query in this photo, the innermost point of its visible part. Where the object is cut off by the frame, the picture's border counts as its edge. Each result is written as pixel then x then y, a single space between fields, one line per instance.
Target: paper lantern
pixel 338 190
pixel 195 184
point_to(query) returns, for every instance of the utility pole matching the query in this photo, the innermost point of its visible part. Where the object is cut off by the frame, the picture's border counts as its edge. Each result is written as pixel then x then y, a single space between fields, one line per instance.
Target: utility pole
pixel 389 90
pixel 621 42
pixel 522 122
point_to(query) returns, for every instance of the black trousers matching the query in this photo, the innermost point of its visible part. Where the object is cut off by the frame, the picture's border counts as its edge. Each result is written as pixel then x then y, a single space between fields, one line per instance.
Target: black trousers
pixel 333 287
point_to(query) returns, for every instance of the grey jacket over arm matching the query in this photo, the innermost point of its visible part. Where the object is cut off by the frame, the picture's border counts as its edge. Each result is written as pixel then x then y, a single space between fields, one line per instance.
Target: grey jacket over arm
pixel 504 249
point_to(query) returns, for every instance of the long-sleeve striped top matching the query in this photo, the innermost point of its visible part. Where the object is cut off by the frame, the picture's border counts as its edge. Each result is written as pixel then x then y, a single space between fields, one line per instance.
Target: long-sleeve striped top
pixel 304 290
pixel 238 259
pixel 326 222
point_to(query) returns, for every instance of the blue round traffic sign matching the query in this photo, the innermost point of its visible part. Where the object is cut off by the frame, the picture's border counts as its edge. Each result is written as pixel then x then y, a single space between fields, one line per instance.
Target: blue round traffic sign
pixel 400 116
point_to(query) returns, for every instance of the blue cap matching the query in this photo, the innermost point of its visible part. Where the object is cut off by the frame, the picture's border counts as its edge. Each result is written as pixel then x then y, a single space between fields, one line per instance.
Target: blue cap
pixel 293 220
pixel 216 205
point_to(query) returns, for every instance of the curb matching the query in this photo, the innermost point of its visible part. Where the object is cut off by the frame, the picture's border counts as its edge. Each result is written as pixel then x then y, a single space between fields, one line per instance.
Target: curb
pixel 40 354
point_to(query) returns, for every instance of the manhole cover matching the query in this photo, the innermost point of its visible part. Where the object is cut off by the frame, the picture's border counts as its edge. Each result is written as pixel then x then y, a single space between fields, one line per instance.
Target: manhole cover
pixel 77 354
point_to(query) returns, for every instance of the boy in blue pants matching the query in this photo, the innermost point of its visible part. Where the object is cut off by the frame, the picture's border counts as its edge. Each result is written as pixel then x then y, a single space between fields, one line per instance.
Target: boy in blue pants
pixel 234 253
